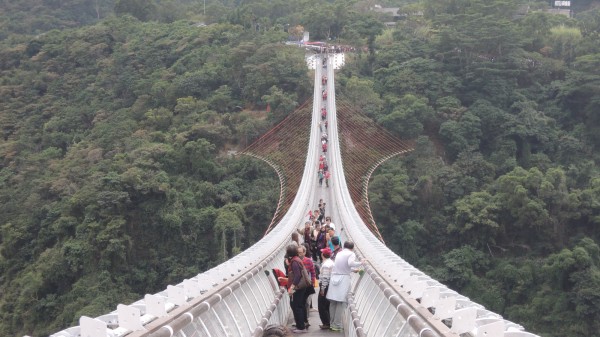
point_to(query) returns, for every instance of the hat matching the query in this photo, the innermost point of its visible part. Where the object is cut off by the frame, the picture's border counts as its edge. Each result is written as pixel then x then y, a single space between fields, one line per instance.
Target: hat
pixel 331 225
pixel 326 252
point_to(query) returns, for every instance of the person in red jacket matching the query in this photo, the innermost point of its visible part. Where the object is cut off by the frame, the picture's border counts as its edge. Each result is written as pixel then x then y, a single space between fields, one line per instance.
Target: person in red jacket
pixel 324 147
pixel 281 277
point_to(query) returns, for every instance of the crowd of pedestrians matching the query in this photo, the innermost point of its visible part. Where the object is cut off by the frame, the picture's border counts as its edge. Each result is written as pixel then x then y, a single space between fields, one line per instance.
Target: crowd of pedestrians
pixel 324 173
pixel 317 262
pixel 316 258
pixel 336 49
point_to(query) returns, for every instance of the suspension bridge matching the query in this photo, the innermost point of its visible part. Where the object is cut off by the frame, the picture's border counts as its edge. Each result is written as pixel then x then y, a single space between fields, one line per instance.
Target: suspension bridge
pixel 241 298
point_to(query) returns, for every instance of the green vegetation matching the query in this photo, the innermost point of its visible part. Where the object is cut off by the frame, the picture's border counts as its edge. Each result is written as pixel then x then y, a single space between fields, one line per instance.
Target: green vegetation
pixel 115 174
pixel 501 199
pixel 115 178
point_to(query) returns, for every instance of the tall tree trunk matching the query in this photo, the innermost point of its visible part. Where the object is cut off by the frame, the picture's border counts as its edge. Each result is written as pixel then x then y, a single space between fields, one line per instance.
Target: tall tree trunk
pixel 97 8
pixel 224 243
pixel 235 238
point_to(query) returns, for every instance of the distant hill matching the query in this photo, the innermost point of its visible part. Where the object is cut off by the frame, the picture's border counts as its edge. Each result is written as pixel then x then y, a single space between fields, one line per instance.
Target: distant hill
pixel 113 178
pixel 32 17
pixel 38 16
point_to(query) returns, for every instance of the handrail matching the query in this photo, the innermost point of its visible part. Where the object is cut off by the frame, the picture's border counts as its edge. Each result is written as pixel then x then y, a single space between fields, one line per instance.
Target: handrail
pixel 350 217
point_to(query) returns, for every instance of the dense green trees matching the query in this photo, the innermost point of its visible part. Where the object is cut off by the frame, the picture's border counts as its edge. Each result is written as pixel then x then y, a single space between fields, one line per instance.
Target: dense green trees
pixel 37 16
pixel 116 177
pixel 115 173
pixel 499 199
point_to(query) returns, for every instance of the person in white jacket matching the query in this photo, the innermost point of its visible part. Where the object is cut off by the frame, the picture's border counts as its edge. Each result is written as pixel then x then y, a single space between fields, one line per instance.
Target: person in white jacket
pixel 339 283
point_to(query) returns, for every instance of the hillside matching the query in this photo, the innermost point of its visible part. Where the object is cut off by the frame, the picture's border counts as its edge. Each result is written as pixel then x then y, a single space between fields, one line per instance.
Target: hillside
pixel 112 179
pixel 115 179
pixel 500 200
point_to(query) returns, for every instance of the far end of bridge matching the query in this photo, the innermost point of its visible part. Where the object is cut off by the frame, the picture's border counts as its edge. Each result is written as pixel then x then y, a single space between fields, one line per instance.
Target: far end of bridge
pixel 337 59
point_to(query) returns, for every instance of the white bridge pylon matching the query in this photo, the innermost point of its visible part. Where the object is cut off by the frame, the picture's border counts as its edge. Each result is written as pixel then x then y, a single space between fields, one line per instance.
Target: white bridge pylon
pixel 240 297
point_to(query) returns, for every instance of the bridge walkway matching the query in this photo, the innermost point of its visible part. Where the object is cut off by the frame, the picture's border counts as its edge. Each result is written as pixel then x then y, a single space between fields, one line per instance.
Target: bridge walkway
pixel 314 330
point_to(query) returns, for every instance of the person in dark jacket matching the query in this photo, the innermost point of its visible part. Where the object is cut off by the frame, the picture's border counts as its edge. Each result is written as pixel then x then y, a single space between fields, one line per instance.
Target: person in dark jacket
pixel 310 268
pixel 298 295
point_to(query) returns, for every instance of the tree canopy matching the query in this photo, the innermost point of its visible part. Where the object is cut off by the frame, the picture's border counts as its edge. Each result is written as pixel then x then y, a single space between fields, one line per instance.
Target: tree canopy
pixel 118 119
pixel 116 173
pixel 499 199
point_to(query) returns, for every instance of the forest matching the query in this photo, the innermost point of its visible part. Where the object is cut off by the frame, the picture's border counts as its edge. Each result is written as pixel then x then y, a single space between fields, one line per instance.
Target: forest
pixel 119 120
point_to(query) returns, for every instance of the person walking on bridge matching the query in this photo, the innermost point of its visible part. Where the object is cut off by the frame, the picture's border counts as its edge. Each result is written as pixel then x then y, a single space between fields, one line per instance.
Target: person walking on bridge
pixel 313 241
pixel 297 288
pixel 310 268
pixel 339 284
pixel 335 243
pixel 321 176
pixel 322 239
pixel 324 278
